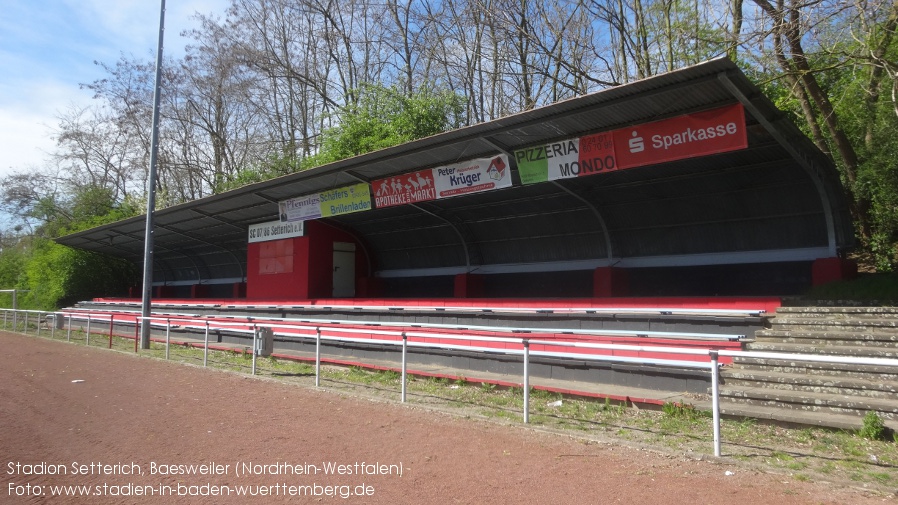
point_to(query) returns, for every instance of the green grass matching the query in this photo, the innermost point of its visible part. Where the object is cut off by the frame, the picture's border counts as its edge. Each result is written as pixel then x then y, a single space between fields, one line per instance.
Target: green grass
pixel 868 287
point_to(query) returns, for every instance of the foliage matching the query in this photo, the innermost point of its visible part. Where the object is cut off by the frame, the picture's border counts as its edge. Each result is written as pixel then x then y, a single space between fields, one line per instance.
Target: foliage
pixel 51 275
pixel 385 117
pixel 56 276
pixel 873 428
pixel 869 287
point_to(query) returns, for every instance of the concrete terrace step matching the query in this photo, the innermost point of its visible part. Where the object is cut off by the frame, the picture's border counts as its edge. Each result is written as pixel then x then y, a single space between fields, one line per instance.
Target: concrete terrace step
pixel 873 373
pixel 834 385
pixel 807 401
pixel 870 325
pixel 844 421
pixel 827 337
pixel 838 311
pixel 828 350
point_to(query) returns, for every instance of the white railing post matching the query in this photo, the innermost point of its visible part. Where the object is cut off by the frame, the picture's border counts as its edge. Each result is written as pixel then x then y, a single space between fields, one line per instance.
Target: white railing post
pixel 526 381
pixel 167 337
pixel 53 328
pixel 318 357
pixel 255 346
pixel 206 345
pixel 87 337
pixel 39 314
pixel 404 364
pixel 715 401
pixel 68 333
pixel 25 328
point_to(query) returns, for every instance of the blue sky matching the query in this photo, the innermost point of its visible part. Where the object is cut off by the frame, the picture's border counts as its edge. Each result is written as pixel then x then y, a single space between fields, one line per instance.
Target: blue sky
pixel 48 48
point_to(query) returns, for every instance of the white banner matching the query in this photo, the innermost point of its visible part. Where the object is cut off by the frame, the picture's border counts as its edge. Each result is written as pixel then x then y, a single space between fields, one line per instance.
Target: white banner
pixel 274 230
pixel 483 174
pixel 300 208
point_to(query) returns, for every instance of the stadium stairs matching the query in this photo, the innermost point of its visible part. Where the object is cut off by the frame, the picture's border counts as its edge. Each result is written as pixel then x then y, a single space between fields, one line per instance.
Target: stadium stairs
pixel 808 393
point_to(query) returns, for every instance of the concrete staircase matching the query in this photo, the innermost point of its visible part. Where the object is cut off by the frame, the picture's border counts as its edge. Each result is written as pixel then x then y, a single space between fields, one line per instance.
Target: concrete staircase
pixel 818 393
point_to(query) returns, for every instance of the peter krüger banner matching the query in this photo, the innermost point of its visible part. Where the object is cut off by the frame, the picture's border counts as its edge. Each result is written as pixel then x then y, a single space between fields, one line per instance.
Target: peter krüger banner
pixel 355 198
pixel 474 176
pixel 704 133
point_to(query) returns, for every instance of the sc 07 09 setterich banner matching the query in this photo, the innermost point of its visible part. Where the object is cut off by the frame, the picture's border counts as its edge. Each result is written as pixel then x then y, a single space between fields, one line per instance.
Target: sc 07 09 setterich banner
pixel 473 176
pixel 710 132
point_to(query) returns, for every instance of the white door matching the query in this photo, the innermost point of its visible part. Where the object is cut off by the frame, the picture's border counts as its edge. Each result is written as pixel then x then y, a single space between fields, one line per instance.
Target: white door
pixel 344 270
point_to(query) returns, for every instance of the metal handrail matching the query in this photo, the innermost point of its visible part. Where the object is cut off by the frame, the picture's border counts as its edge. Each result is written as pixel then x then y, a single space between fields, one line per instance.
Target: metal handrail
pixel 469 308
pixel 498 329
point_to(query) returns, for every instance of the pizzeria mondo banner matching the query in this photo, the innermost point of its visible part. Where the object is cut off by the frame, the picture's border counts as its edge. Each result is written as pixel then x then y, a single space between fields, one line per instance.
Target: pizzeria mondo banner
pixel 700 134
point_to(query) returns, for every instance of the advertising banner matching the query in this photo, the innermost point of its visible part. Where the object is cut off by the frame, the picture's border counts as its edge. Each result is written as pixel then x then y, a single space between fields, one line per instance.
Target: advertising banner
pixel 300 208
pixel 274 230
pixel 567 158
pixel 474 176
pixel 710 132
pixel 404 189
pixel 483 174
pixel 355 198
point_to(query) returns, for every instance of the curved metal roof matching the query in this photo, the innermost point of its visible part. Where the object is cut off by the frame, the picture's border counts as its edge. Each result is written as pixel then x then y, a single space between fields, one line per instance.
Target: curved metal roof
pixel 778 200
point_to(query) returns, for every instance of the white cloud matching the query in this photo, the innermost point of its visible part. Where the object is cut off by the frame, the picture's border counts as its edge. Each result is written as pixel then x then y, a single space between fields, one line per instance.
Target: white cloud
pixel 47 49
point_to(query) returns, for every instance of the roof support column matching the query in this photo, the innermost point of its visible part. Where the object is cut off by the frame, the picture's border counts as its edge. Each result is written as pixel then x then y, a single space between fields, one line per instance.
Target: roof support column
pixel 804 163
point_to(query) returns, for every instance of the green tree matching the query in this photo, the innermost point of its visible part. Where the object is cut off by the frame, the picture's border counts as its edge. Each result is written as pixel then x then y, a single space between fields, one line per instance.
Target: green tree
pixel 56 276
pixel 384 117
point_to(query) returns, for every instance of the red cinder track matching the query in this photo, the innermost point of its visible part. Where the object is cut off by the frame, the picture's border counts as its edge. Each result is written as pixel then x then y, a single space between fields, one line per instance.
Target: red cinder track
pixel 142 411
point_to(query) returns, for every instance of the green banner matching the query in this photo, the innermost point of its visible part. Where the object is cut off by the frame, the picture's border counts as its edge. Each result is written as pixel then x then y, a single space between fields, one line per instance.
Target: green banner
pixel 345 200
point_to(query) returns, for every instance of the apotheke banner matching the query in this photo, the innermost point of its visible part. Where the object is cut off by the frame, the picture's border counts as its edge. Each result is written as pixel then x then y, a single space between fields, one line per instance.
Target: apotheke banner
pixel 474 176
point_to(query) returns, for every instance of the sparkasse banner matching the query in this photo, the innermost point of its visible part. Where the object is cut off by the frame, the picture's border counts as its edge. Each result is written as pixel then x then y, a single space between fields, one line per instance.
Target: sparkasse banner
pixel 709 132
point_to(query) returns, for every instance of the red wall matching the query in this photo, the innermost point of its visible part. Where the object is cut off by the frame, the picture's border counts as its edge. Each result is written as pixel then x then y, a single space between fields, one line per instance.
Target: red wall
pixel 312 269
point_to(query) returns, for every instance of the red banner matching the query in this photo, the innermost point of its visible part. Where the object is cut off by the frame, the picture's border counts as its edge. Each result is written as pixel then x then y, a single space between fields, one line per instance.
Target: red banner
pixel 403 189
pixel 710 132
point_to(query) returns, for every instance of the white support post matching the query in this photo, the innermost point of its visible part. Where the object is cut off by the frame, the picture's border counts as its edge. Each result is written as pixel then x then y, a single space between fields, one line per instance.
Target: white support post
pixel 317 357
pixel 404 364
pixel 715 401
pixel 526 381
pixel 206 346
pixel 167 337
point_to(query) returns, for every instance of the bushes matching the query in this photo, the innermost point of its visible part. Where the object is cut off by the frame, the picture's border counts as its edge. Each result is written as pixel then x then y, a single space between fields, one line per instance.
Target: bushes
pixel 54 275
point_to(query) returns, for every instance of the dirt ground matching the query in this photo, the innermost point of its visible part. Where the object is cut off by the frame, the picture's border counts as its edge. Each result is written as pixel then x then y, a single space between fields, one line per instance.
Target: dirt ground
pixel 122 425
